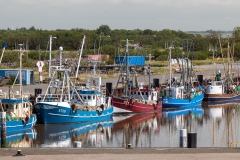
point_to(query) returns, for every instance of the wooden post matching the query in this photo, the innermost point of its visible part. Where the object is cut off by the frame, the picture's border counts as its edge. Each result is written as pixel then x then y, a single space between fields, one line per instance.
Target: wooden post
pixel 3 129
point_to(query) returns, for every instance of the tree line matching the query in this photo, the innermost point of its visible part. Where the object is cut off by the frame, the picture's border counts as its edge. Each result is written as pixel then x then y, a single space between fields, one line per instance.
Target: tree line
pixel 103 40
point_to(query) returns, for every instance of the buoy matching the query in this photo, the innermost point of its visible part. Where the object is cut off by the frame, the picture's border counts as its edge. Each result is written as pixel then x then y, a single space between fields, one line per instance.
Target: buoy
pixel 19 153
pixel 129 146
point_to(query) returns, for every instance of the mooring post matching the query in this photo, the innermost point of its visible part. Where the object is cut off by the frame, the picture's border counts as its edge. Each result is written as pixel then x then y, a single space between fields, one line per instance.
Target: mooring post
pixel 3 129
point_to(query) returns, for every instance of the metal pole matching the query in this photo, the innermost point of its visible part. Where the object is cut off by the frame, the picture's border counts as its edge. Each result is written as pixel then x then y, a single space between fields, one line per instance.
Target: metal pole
pixel 3 129
pixel 79 59
pixel 50 56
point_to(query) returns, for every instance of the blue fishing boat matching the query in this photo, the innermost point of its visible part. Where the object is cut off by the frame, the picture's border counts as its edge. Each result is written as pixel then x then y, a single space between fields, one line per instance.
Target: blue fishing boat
pixel 17 108
pixel 18 115
pixel 69 102
pixel 183 91
pixel 64 135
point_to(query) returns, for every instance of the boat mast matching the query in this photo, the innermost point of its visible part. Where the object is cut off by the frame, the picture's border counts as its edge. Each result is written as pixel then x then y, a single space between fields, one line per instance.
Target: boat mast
pixel 79 59
pixel 228 58
pixel 20 70
pixel 170 66
pixel 149 71
pixel 127 71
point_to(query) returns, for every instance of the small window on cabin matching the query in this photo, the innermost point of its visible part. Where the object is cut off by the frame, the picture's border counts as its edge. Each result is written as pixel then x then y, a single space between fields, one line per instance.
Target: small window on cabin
pixel 138 93
pixel 94 97
pixel 16 106
pixel 142 93
pixel 84 97
pixel 6 106
pixel 89 97
pixel 147 93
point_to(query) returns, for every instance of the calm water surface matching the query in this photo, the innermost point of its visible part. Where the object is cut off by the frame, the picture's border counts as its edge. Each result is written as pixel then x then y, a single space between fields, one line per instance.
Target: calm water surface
pixel 215 127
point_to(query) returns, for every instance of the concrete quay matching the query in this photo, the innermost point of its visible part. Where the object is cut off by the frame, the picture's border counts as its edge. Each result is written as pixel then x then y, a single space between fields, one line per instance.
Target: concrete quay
pixel 121 153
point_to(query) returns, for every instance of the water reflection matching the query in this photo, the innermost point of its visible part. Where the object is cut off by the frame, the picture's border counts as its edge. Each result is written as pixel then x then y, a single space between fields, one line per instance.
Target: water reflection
pixel 215 127
pixel 21 139
pixel 89 134
pixel 138 130
pixel 223 122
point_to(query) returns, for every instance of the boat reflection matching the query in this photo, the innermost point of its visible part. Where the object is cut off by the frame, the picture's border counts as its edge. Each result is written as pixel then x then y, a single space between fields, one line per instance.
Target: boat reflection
pixel 224 130
pixel 88 134
pixel 132 130
pixel 23 139
pixel 173 112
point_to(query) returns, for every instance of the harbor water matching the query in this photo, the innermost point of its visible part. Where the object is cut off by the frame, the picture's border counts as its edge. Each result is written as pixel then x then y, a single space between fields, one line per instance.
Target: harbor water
pixel 212 126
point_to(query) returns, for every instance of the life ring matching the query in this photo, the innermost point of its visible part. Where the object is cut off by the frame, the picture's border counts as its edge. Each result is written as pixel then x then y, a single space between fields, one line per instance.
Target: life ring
pixel 74 108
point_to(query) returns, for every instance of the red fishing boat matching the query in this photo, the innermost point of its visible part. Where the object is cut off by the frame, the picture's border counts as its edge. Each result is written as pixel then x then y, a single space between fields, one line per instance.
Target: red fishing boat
pixel 135 97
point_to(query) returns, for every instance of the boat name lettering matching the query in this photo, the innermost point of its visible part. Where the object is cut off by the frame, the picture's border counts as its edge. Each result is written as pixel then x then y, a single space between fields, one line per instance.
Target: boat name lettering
pixel 62 110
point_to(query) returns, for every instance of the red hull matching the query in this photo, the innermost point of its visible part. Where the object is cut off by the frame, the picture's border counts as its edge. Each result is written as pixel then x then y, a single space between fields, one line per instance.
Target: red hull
pixel 132 106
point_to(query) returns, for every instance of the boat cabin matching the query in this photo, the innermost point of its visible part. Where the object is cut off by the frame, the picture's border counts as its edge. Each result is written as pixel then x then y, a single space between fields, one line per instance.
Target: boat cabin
pixel 174 92
pixel 16 107
pixel 215 87
pixel 144 93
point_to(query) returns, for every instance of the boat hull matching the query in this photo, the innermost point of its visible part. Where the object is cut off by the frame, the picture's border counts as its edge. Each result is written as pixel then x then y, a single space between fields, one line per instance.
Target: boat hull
pixel 175 102
pixel 52 113
pixel 213 99
pixel 136 107
pixel 20 125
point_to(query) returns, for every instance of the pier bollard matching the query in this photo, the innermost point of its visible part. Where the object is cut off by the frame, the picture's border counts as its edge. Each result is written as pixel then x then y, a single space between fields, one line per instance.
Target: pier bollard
pixel 3 129
pixel 19 153
pixel 183 138
pixel 192 140
pixel 129 146
pixel 77 144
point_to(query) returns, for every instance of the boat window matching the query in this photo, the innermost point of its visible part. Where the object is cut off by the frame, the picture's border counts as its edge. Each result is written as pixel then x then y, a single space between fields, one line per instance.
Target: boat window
pixel 142 93
pixel 138 93
pixel 94 97
pixel 84 97
pixel 89 97
pixel 6 106
pixel 147 93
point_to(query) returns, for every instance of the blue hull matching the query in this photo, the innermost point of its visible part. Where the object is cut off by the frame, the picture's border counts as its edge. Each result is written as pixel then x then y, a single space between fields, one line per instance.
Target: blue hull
pixel 173 112
pixel 50 114
pixel 18 126
pixel 174 102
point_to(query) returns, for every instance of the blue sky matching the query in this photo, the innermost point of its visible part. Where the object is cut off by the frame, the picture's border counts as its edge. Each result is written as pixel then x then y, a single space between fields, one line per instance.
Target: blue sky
pixel 184 15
